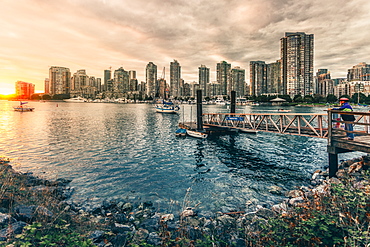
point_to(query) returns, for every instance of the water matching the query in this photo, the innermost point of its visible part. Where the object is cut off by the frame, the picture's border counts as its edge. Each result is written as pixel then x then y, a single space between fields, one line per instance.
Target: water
pixel 128 151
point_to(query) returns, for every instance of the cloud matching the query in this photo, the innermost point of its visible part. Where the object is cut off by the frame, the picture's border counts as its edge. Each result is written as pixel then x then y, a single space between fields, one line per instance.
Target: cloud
pixel 97 34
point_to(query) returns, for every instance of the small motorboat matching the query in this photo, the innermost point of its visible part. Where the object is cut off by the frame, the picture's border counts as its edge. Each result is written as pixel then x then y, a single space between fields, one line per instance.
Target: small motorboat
pixel 22 108
pixel 283 110
pixel 196 134
pixel 76 100
pixel 180 132
pixel 4 160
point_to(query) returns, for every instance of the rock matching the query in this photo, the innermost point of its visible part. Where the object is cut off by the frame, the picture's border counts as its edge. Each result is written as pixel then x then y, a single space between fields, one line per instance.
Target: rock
pixel 316 174
pixel 265 213
pixel 25 213
pixel 5 219
pixel 294 193
pixel 42 211
pixel 127 207
pixel 296 200
pixel 154 239
pixel 151 224
pixel 226 221
pixel 167 217
pixel 97 236
pixel 12 229
pixel 140 236
pixel 187 212
pixel 120 228
pixel 276 190
pixel 280 208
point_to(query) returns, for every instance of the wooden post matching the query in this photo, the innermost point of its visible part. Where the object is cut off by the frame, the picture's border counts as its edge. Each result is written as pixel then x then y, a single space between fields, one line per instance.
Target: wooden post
pixel 199 111
pixel 233 102
pixel 333 165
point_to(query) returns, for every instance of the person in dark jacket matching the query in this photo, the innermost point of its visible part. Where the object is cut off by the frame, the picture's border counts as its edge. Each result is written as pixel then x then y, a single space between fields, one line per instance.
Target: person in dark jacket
pixel 345 106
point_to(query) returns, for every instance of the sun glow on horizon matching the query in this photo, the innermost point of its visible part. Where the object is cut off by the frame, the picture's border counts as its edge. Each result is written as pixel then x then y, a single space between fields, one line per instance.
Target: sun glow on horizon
pixel 7 88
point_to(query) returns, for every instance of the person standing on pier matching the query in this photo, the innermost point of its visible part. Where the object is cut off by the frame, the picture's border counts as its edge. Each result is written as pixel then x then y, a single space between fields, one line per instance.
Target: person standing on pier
pixel 345 106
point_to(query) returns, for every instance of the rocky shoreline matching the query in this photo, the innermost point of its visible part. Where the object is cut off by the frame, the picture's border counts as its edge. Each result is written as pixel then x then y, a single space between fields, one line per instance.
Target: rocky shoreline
pixel 124 223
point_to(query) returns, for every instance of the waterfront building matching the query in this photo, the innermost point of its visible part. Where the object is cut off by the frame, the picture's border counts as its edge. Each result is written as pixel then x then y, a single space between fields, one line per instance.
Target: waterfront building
pixel 203 79
pixel 151 79
pixel 237 82
pixel 79 84
pixel 342 89
pixel 162 89
pixel 359 72
pixel 47 86
pixel 297 63
pixel 187 90
pixel 24 90
pixel 194 87
pixel 98 85
pixel 273 78
pixel 107 77
pixel 258 78
pixel 223 74
pixel 175 79
pixel 133 81
pixel 322 85
pixel 59 80
pixel 120 82
pixel 213 89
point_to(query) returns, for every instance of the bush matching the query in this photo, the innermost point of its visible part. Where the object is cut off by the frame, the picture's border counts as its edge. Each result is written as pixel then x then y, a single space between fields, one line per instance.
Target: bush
pixel 337 218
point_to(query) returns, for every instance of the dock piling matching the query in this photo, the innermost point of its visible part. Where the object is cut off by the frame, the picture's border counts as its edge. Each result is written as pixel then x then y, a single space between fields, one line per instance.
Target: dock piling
pixel 199 111
pixel 233 102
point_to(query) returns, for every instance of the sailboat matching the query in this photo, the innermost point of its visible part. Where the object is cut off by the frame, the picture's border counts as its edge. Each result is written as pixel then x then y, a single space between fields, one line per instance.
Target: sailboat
pixel 167 107
pixel 195 133
pixel 22 108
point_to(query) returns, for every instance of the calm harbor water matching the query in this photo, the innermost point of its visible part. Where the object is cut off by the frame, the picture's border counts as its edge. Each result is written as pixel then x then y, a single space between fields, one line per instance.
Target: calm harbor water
pixel 129 151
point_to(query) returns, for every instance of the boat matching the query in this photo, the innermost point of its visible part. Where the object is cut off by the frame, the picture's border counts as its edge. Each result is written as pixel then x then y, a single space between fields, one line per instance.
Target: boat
pixel 283 110
pixel 196 134
pixel 4 160
pixel 167 107
pixel 180 132
pixel 76 100
pixel 22 108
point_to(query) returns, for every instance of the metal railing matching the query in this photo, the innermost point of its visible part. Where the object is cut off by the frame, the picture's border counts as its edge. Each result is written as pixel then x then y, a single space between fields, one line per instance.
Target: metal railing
pixel 303 124
pixel 337 134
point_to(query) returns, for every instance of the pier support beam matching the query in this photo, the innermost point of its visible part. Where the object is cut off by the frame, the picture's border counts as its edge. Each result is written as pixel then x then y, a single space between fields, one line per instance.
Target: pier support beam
pixel 199 111
pixel 333 165
pixel 233 102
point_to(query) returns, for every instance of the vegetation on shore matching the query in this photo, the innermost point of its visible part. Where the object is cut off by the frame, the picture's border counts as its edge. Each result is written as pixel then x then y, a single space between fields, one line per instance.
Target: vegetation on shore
pixel 336 214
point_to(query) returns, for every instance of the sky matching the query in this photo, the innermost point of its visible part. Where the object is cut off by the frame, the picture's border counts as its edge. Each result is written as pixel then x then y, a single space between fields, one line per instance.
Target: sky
pixel 100 34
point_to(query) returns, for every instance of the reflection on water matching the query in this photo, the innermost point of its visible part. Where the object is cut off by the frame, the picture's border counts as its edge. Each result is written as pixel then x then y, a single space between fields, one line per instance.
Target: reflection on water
pixel 128 151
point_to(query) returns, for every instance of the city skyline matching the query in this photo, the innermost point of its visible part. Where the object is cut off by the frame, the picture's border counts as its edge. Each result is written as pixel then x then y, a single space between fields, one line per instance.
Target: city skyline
pixel 96 35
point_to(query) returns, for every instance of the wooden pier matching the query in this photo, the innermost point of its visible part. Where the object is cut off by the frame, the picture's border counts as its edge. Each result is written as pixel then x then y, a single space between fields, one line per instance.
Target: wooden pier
pixel 326 125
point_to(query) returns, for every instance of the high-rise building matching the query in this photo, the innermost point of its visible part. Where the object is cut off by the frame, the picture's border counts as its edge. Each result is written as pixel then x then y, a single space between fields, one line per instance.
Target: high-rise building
pixel 223 73
pixel 107 77
pixel 46 86
pixel 359 72
pixel 121 82
pixel 237 82
pixel 203 79
pixel 175 79
pixel 79 83
pixel 24 90
pixel 60 79
pixel 297 63
pixel 273 74
pixel 133 81
pixel 258 78
pixel 322 86
pixel 151 79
